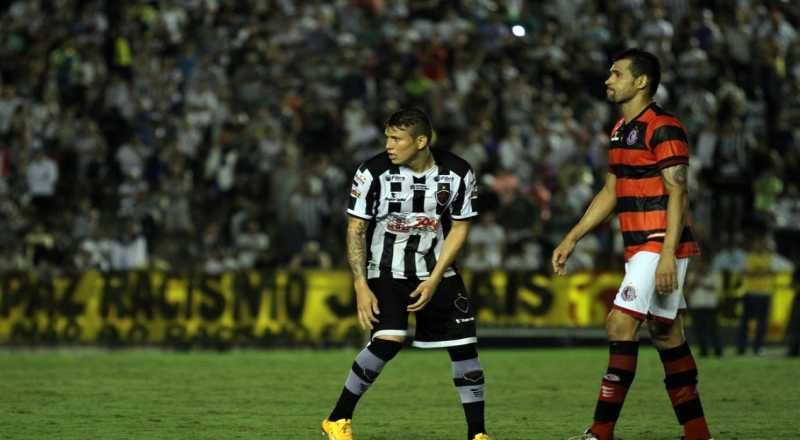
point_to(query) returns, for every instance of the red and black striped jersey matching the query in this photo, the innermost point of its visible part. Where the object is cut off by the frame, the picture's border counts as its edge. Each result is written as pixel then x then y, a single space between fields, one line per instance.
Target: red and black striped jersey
pixel 637 153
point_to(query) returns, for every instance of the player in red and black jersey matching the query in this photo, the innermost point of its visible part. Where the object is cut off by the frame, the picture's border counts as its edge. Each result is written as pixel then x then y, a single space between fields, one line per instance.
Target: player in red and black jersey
pixel 647 187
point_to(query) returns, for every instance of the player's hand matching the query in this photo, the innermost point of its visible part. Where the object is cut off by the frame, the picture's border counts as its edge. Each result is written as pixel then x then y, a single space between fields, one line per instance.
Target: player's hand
pixel 424 291
pixel 666 275
pixel 560 255
pixel 367 306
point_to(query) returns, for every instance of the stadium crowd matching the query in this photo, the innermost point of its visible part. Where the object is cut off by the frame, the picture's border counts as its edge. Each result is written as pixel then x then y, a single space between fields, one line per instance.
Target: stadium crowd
pixel 223 134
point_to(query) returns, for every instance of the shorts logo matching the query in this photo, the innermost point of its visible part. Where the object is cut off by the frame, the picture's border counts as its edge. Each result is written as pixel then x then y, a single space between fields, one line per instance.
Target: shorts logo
pixel 629 293
pixel 633 136
pixel 462 303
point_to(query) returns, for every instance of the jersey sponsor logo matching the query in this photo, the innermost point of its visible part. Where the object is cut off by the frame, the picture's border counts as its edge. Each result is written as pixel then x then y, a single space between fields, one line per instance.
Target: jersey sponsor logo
pixel 396 197
pixel 629 293
pixel 419 187
pixel 399 223
pixel 616 135
pixel 394 178
pixel 360 179
pixel 633 136
pixel 355 192
pixel 444 179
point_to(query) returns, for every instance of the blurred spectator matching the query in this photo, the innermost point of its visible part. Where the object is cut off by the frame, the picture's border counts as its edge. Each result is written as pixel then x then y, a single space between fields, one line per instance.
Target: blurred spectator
pixel 42 175
pixel 129 248
pixel 218 261
pixel 94 252
pixel 252 246
pixel 197 100
pixel 758 283
pixel 311 257
pixel 41 247
pixel 703 289
pixel 485 244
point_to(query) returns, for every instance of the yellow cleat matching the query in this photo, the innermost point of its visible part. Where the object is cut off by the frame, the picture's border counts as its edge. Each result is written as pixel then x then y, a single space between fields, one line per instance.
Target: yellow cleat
pixel 341 429
pixel 481 437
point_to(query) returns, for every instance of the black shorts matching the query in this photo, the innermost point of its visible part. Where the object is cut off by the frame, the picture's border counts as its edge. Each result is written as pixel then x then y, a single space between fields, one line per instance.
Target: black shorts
pixel 448 320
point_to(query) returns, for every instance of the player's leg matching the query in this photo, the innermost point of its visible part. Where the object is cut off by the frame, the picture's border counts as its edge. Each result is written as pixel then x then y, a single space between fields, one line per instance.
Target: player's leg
pixel 387 339
pixel 448 321
pixel 680 372
pixel 744 323
pixel 469 381
pixel 667 333
pixel 762 319
pixel 622 325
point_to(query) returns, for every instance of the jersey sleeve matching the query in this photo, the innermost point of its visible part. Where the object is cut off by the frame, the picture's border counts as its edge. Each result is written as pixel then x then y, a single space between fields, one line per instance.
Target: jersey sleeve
pixel 669 143
pixel 361 197
pixel 463 204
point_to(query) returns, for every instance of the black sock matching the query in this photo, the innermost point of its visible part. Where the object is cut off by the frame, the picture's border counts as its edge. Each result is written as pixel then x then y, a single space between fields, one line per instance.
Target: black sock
pixel 366 368
pixel 469 382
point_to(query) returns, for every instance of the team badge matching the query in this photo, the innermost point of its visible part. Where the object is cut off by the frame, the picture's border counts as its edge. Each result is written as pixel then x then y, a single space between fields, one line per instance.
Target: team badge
pixel 462 303
pixel 443 194
pixel 629 293
pixel 633 136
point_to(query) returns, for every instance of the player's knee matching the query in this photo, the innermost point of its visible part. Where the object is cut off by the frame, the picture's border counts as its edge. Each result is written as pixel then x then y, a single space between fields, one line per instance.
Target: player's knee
pixel 621 327
pixel 393 338
pixel 665 340
pixel 385 349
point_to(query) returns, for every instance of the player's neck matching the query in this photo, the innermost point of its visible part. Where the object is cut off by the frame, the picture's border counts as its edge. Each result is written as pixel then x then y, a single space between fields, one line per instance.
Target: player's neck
pixel 634 107
pixel 423 161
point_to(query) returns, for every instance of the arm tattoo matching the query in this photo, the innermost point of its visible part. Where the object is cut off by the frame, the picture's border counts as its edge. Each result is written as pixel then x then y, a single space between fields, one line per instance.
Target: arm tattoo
pixel 357 248
pixel 676 175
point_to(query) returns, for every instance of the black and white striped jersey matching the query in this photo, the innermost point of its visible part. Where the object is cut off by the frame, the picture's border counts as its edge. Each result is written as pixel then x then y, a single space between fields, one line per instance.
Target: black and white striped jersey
pixel 406 210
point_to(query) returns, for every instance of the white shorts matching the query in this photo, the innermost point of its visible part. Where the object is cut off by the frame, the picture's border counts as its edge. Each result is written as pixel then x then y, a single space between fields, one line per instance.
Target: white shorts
pixel 637 295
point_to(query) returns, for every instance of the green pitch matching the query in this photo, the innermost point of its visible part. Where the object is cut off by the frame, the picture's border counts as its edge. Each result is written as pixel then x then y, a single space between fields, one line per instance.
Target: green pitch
pixel 532 395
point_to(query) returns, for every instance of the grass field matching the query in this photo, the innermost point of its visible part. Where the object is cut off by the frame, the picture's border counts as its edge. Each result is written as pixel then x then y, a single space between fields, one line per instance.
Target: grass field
pixel 532 394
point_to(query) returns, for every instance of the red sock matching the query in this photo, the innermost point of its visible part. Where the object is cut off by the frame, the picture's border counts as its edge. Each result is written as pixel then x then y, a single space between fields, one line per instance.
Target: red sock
pixel 681 382
pixel 618 378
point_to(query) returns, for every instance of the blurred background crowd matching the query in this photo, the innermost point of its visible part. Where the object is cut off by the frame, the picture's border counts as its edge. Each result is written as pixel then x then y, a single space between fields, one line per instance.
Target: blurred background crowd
pixel 223 134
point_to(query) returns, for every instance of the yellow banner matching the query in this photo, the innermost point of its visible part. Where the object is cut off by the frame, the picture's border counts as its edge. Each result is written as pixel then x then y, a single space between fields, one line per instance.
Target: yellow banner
pixel 286 308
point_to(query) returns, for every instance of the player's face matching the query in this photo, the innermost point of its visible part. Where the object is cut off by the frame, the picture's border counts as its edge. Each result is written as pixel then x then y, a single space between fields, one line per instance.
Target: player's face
pixel 401 145
pixel 620 83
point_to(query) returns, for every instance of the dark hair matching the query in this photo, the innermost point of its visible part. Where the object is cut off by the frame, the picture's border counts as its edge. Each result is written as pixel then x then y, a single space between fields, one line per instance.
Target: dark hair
pixel 413 118
pixel 643 63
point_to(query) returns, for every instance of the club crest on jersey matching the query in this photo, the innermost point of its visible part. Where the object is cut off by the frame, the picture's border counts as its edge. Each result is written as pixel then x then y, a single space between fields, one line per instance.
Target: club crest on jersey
pixel 629 293
pixel 633 136
pixel 443 194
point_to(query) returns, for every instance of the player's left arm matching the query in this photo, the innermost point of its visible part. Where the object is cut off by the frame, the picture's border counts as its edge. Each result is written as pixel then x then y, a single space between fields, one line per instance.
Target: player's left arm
pixel 675 180
pixel 459 230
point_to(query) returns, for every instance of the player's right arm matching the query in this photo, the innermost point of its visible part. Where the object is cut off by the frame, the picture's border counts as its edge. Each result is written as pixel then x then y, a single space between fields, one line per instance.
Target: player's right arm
pixel 367 303
pixel 601 207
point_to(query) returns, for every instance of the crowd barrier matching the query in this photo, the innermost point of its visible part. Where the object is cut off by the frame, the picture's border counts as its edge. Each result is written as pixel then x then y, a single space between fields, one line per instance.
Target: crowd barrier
pixel 283 308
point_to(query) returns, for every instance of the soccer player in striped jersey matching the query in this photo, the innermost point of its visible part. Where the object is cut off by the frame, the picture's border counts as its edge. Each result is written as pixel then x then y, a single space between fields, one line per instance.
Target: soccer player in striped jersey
pixel 646 186
pixel 409 215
